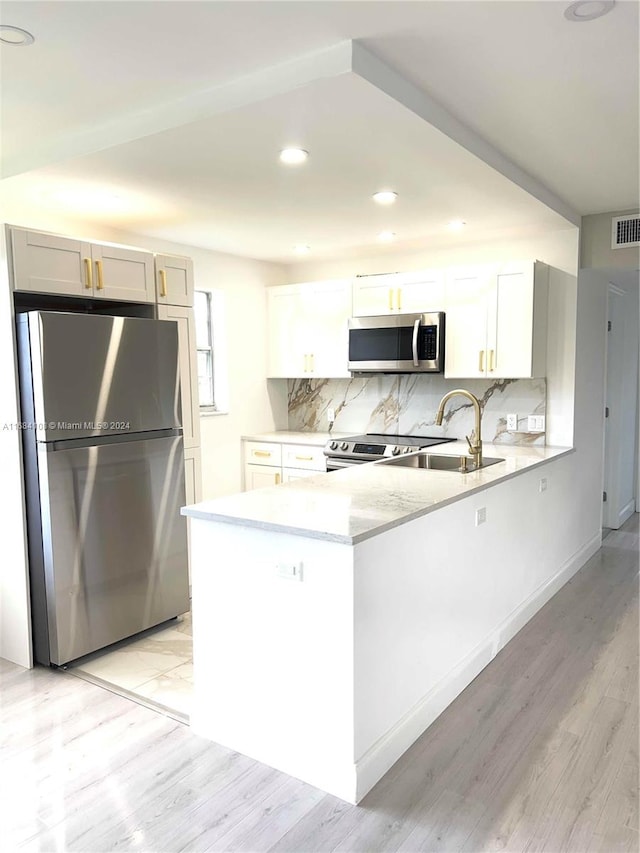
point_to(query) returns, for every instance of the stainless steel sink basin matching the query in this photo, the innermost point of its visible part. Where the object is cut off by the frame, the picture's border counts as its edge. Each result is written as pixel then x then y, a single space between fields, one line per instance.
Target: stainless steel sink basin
pixel 439 462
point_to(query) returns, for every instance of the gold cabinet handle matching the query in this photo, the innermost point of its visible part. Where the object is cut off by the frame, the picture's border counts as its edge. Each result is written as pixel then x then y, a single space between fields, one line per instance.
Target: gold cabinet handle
pixel 305 458
pixel 313 367
pixel 266 453
pixel 163 282
pixel 390 299
pixel 277 479
pixel 491 360
pixel 481 362
pixel 100 285
pixel 88 274
pixel 399 298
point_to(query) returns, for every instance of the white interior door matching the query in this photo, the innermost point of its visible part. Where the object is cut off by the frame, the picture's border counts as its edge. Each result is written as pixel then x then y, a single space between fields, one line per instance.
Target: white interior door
pixel 620 412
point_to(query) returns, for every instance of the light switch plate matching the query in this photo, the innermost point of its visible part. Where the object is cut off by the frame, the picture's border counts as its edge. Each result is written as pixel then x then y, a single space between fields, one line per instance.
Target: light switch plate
pixel 512 423
pixel 536 423
pixel 481 515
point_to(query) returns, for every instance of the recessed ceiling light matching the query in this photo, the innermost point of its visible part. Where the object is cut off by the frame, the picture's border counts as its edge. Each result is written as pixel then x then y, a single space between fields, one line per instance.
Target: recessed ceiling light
pixel 293 156
pixel 588 10
pixel 387 236
pixel 15 36
pixel 456 224
pixel 385 197
pixel 302 250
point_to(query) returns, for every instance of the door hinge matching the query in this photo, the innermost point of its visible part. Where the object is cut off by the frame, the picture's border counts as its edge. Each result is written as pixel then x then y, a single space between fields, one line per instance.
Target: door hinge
pixel 604 497
pixel 608 325
pixel 606 411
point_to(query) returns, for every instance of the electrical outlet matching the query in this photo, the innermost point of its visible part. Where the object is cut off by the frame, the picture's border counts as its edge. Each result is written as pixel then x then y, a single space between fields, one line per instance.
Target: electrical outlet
pixel 542 487
pixel 331 415
pixel 512 423
pixel 535 423
pixel 481 516
pixel 290 571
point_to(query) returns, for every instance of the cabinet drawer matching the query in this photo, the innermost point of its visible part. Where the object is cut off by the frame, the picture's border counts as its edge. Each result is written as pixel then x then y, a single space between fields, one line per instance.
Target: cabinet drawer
pixel 262 453
pixel 303 456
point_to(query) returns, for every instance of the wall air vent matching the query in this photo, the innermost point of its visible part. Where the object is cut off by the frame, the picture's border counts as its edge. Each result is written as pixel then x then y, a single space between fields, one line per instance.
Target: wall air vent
pixel 625 231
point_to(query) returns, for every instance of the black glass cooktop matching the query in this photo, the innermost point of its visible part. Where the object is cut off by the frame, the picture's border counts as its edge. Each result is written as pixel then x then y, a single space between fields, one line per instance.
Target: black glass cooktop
pixel 407 440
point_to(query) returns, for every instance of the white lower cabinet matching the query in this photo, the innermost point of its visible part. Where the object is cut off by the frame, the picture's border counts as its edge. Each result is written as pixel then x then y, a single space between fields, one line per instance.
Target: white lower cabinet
pixel 259 476
pixel 272 463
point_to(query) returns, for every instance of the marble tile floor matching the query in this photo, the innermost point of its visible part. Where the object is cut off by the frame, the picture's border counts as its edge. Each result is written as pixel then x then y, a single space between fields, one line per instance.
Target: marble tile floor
pixel 155 668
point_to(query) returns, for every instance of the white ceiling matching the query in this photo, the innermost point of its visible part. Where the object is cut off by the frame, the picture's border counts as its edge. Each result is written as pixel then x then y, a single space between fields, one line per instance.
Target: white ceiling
pixel 128 114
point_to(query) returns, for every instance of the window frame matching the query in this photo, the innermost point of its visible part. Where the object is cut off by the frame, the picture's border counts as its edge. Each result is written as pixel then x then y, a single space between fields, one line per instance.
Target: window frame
pixel 207 407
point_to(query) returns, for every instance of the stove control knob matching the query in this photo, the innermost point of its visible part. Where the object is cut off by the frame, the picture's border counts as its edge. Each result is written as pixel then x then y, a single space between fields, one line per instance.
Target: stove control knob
pixel 396 451
pixel 334 445
pixel 344 445
pixel 407 450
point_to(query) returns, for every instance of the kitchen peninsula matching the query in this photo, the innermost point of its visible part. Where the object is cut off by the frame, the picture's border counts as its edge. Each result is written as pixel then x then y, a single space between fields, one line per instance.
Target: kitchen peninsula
pixel 336 616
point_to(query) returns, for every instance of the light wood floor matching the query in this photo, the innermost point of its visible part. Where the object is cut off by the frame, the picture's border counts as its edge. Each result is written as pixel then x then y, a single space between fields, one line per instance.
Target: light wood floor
pixel 540 753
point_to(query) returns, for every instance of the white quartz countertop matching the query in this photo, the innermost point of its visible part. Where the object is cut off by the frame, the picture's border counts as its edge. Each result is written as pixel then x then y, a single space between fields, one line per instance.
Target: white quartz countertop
pixel 318 439
pixel 354 504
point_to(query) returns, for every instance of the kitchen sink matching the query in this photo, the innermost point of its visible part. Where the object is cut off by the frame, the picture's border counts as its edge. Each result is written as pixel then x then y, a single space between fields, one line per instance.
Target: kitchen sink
pixel 439 462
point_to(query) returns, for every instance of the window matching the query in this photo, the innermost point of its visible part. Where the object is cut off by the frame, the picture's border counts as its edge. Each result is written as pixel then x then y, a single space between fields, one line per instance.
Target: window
pixel 204 346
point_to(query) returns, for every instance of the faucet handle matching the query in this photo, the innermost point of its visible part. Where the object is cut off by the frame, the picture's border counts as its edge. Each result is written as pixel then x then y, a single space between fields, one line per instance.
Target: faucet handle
pixel 471 446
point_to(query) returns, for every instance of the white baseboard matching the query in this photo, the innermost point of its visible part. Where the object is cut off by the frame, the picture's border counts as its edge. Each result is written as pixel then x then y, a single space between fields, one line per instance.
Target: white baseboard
pixel 518 618
pixel 626 512
pixel 385 752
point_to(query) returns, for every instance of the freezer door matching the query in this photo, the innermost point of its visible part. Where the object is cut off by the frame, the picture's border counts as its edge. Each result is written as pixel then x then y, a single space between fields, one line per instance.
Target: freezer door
pixel 97 375
pixel 114 542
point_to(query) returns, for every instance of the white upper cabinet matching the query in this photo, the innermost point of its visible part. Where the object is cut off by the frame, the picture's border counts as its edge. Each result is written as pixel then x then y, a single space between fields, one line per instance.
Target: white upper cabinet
pixel 308 329
pixel 174 280
pixel 399 293
pixel 46 263
pixel 125 274
pixel 496 321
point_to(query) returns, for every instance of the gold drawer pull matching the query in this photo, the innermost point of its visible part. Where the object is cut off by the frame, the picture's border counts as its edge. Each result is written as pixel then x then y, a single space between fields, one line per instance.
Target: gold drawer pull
pixel 89 274
pixel 399 298
pixel 163 283
pixel 261 452
pixel 305 458
pixel 277 479
pixel 100 285
pixel 491 364
pixel 481 363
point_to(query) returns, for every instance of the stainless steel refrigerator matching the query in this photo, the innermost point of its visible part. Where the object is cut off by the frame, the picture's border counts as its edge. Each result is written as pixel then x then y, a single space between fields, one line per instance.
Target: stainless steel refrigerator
pixel 104 478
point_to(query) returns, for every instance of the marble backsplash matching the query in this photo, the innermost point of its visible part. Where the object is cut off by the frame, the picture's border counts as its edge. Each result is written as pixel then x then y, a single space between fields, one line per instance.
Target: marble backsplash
pixel 407 405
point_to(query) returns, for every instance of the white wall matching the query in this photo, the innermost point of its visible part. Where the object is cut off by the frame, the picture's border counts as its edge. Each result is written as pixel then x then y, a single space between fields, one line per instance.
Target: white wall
pixel 559 249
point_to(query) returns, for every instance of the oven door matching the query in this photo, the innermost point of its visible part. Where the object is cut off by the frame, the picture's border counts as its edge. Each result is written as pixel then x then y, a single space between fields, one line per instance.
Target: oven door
pixel 404 343
pixel 335 463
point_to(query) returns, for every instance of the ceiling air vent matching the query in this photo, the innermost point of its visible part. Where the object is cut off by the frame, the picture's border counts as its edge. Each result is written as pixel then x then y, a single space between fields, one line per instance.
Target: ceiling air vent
pixel 625 231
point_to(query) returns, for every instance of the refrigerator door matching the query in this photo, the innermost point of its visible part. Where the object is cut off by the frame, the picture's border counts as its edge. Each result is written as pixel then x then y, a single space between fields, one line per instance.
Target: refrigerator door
pixel 97 375
pixel 114 544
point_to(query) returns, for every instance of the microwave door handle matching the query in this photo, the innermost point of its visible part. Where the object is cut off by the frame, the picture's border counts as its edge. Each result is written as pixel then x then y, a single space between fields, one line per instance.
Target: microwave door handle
pixel 414 342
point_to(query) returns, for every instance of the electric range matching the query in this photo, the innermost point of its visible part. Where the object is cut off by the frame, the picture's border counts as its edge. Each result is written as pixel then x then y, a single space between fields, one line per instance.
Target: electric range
pixel 358 449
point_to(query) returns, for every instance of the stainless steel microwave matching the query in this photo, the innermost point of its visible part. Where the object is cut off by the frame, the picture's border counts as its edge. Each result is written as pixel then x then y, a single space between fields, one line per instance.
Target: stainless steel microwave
pixel 397 343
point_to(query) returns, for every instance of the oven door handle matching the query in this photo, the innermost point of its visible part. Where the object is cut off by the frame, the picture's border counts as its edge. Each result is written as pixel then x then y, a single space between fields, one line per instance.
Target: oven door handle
pixel 414 342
